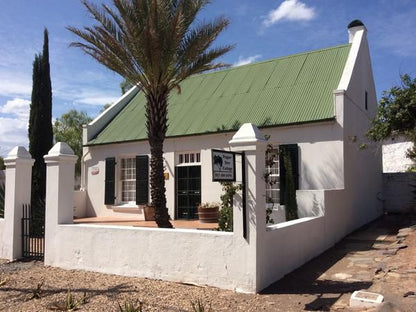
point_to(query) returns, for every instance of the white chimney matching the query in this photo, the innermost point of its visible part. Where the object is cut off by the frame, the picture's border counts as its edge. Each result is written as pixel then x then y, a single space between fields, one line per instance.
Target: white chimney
pixel 353 27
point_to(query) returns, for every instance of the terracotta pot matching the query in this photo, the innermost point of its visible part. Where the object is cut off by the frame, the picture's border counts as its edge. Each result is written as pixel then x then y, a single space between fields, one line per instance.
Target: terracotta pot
pixel 149 213
pixel 208 215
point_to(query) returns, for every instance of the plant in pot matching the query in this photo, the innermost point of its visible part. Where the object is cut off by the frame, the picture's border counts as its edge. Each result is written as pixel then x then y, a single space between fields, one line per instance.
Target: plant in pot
pixel 149 212
pixel 208 212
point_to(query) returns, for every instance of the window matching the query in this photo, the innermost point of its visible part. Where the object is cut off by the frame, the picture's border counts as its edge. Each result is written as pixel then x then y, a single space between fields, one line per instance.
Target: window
pixel 189 158
pixel 128 180
pixel 272 176
pixel 131 183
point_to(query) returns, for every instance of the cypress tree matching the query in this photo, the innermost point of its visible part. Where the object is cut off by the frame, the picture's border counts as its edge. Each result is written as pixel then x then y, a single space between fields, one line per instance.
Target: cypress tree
pixel 40 123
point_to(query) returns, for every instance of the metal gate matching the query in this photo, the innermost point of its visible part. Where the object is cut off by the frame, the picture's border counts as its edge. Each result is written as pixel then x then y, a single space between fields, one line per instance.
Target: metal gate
pixel 33 235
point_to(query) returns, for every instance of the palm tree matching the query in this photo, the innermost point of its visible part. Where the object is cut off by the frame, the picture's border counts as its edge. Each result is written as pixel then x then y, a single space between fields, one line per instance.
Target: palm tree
pixel 154 44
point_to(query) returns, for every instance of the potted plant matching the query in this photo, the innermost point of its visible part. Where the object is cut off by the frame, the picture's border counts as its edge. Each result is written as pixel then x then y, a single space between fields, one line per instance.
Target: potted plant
pixel 208 212
pixel 149 212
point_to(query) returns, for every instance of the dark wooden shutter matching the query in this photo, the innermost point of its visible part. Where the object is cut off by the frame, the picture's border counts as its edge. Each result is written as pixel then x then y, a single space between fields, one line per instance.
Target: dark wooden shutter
pixel 110 164
pixel 292 151
pixel 142 179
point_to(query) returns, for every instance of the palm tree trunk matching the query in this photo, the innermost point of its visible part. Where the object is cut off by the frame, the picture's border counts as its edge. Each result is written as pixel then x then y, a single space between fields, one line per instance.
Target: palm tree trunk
pixel 156 111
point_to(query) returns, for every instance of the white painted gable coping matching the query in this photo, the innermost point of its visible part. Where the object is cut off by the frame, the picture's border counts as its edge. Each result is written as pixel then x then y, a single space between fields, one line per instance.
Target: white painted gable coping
pixel 60 148
pixel 105 117
pixel 248 133
pixel 357 38
pixel 19 152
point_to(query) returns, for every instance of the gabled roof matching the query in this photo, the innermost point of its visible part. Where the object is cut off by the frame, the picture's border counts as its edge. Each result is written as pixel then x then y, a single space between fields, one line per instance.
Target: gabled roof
pixel 288 90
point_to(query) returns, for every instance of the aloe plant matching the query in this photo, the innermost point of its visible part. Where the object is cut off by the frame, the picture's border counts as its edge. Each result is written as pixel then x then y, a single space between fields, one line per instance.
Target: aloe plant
pixel 198 306
pixel 130 307
pixel 70 304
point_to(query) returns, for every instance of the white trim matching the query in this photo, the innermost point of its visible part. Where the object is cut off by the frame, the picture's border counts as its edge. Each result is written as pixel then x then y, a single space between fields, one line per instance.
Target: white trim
pixel 95 126
pixel 357 40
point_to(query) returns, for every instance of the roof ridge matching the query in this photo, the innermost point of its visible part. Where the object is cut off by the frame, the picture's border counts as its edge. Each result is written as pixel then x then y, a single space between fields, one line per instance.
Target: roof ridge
pixel 272 60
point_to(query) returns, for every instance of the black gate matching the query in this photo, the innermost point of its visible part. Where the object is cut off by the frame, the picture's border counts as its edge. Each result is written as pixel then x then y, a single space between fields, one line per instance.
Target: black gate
pixel 33 235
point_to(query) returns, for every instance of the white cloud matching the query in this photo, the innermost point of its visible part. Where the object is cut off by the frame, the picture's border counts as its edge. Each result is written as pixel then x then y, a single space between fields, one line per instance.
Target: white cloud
pixel 244 61
pixel 13 128
pixel 291 10
pixel 13 132
pixel 17 106
pixel 12 85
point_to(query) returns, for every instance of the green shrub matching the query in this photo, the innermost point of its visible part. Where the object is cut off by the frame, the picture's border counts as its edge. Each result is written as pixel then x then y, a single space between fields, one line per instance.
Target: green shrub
pixel 225 219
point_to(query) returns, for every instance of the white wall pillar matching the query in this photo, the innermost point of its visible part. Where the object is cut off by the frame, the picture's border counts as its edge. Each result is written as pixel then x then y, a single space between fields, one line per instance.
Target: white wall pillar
pixel 18 191
pixel 250 140
pixel 60 168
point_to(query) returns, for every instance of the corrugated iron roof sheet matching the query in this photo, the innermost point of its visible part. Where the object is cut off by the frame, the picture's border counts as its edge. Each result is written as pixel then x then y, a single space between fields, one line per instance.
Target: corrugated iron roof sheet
pixel 293 89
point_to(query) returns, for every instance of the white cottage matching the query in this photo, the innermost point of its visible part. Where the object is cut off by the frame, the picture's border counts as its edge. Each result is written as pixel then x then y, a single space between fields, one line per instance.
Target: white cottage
pixel 317 105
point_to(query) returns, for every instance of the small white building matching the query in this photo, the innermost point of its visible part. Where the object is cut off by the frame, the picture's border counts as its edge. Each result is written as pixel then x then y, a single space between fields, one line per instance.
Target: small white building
pixel 316 104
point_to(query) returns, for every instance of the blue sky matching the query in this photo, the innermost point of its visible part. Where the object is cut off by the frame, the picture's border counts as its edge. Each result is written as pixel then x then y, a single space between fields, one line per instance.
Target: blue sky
pixel 260 29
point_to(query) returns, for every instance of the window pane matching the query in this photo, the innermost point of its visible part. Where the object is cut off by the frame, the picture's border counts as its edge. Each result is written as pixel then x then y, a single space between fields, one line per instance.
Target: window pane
pixel 128 179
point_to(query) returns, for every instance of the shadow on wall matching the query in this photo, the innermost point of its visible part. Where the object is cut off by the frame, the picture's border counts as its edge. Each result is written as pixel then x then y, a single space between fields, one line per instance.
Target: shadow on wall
pixel 326 175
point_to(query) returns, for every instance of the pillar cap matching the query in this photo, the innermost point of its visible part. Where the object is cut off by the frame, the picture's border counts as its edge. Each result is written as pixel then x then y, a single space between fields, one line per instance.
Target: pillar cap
pixel 60 148
pixel 60 152
pixel 19 152
pixel 247 135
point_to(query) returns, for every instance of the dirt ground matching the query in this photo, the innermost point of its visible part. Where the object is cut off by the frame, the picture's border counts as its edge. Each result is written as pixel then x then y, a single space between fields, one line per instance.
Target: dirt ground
pixel 378 258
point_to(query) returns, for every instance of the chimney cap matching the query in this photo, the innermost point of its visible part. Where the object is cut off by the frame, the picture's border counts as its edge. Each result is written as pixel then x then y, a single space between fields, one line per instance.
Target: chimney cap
pixel 355 23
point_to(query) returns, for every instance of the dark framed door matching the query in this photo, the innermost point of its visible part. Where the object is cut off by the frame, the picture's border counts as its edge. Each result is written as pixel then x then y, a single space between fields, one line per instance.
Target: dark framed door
pixel 188 191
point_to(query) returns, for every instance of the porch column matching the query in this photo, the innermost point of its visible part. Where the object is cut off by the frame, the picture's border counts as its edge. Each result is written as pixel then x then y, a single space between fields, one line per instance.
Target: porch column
pixel 60 169
pixel 18 191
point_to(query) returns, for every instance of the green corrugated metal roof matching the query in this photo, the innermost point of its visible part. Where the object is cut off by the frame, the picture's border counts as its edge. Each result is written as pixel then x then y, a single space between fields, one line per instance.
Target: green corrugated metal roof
pixel 293 89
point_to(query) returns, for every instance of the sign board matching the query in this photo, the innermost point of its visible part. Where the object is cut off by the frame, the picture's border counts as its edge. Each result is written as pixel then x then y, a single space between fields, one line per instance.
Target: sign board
pixel 223 166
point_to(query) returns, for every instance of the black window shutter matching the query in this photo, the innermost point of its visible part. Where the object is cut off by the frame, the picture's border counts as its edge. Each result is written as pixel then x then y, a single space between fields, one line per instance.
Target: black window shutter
pixel 142 179
pixel 110 164
pixel 293 152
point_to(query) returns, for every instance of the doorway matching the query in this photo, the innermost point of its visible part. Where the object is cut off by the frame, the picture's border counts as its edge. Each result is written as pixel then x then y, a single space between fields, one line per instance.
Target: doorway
pixel 188 191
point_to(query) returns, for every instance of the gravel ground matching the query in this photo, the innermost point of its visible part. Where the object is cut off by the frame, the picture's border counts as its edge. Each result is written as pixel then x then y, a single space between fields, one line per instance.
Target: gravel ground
pixel 19 281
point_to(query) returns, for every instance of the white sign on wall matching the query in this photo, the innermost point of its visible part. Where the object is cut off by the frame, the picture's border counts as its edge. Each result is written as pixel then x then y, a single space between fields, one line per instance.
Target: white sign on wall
pixel 223 166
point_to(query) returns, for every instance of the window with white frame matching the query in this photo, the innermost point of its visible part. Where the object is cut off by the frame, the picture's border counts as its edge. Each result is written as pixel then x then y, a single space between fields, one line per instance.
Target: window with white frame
pixel 128 180
pixel 272 176
pixel 189 158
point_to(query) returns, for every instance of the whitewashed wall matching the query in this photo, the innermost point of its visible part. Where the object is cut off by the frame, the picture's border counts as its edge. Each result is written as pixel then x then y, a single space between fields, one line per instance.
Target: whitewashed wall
pixel 320 158
pixel 394 155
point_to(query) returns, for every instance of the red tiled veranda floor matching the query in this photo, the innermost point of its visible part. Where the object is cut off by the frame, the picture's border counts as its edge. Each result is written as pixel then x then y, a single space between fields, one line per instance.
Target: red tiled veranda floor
pixel 179 224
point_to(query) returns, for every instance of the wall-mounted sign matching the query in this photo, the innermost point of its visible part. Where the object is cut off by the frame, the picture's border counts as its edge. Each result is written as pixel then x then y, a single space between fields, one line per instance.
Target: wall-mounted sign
pixel 223 166
pixel 95 170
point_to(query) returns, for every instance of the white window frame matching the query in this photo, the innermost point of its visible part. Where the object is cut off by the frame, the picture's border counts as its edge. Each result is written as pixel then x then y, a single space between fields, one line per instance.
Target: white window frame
pixel 273 173
pixel 188 158
pixel 121 200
